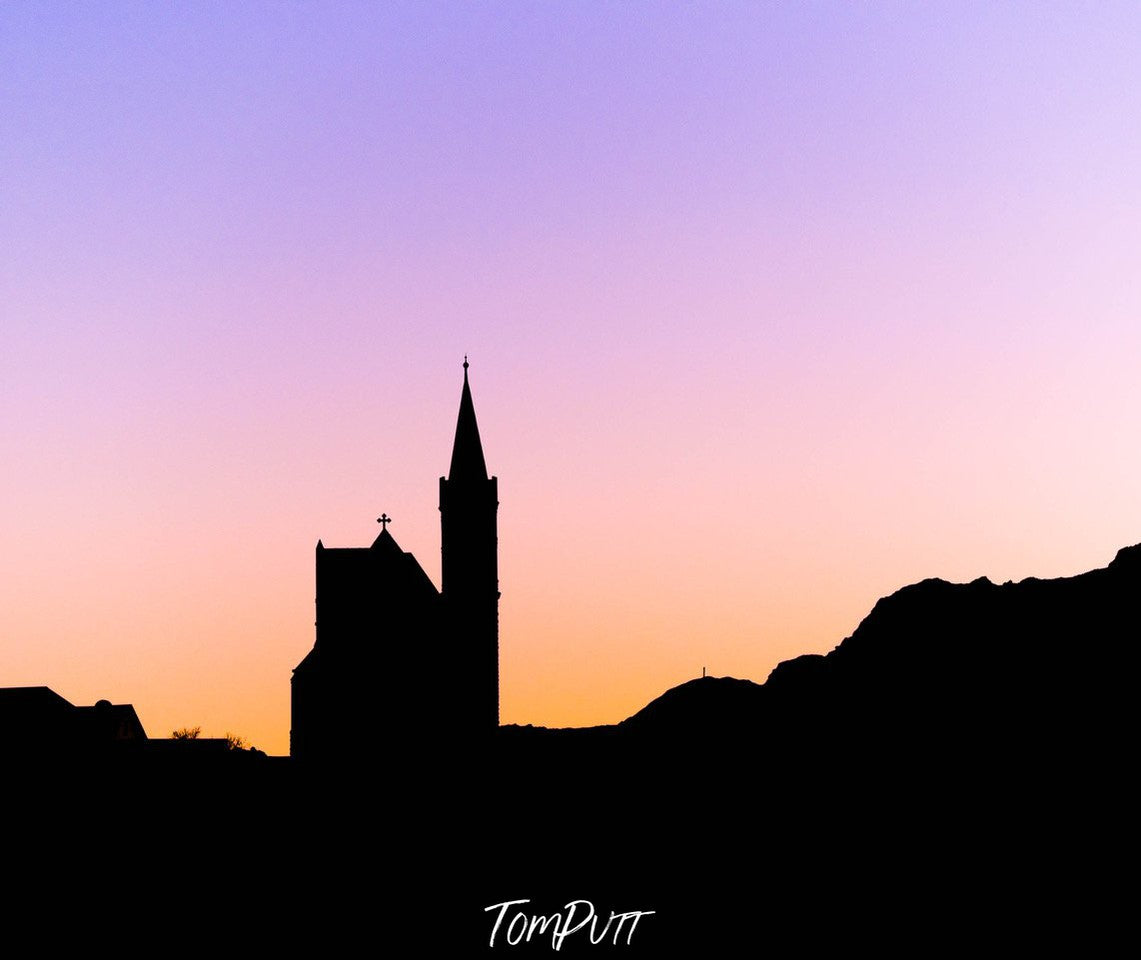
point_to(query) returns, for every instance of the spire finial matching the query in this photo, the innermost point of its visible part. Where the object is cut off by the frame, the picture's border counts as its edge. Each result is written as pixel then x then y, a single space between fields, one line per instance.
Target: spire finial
pixel 465 366
pixel 384 520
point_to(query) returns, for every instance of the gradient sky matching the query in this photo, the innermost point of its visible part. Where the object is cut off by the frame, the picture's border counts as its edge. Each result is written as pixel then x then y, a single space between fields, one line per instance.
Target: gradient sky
pixel 771 309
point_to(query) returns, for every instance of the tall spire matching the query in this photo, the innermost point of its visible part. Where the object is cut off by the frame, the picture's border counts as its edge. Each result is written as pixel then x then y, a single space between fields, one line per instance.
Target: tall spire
pixel 467 451
pixel 469 573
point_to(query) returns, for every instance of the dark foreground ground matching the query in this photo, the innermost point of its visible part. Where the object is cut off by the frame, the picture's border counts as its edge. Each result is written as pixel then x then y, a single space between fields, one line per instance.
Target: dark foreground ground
pixel 730 856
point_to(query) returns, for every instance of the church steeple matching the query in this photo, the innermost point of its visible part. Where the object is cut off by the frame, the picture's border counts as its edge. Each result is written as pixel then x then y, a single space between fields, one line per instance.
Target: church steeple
pixel 467 451
pixel 469 499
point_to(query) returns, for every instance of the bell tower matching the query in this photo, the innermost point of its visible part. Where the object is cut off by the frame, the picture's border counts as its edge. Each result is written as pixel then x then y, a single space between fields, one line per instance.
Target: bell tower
pixel 469 544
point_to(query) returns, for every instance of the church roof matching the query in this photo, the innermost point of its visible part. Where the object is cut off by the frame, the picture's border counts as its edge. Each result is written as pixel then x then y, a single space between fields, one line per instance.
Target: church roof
pixel 382 562
pixel 467 451
pixel 386 543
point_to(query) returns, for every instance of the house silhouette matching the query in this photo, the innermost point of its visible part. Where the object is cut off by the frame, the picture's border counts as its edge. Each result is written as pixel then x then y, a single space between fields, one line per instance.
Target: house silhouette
pixel 391 651
pixel 36 723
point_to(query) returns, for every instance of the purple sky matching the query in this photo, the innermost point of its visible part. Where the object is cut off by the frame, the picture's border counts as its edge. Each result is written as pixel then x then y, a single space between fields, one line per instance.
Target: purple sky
pixel 771 310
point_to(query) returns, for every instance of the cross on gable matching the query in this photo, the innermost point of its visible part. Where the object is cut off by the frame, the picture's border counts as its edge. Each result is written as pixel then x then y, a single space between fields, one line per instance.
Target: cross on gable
pixel 384 520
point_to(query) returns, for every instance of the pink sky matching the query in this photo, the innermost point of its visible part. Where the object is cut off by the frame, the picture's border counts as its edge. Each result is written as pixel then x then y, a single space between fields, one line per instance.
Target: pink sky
pixel 770 312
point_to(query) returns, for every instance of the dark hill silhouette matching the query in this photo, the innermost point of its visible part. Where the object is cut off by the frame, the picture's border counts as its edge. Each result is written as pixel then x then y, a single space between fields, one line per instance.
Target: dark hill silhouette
pixel 705 705
pixel 976 667
pixel 966 740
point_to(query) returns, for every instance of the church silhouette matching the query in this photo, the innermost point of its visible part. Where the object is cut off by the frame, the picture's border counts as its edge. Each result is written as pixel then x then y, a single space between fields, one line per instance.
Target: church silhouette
pixel 391 651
